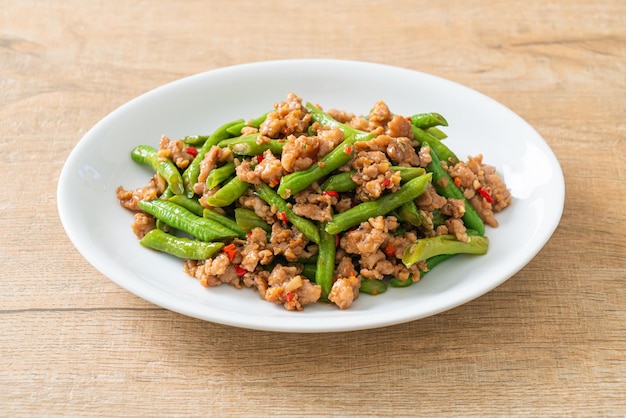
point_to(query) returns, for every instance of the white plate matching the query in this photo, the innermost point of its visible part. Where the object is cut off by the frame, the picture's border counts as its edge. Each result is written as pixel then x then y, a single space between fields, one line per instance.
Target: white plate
pixel 100 228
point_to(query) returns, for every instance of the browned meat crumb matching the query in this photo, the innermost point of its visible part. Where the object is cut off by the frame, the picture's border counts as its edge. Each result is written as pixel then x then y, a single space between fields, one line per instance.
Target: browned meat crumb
pixel 142 224
pixel 316 206
pixel 300 152
pixel 174 150
pixel 289 117
pixel 258 205
pixel 214 271
pixel 256 250
pixel 430 200
pixel 345 291
pixel 130 199
pixel 471 177
pixel 373 175
pixel 289 242
pixel 399 127
pixel 214 156
pixel 269 170
pixel 287 287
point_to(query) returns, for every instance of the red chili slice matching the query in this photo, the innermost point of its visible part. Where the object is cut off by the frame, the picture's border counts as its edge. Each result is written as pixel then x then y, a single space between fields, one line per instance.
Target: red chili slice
pixel 331 193
pixel 390 250
pixel 191 151
pixel 485 194
pixel 240 271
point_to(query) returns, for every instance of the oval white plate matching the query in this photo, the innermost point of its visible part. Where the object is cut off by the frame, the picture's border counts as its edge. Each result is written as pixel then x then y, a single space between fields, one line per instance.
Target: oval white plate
pixel 100 228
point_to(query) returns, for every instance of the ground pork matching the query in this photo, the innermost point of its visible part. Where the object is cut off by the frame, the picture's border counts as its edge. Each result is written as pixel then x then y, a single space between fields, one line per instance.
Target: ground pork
pixel 257 280
pixel 343 205
pixel 400 150
pixel 289 117
pixel 375 265
pixel 430 200
pixel 329 138
pixel 454 208
pixel 369 236
pixel 287 287
pixel 142 224
pixel 130 199
pixel 268 170
pixel 373 175
pixel 345 291
pixel 256 250
pixel 316 206
pixel 176 151
pixel 259 206
pixel 399 127
pixel 214 271
pixel 213 156
pixel 288 241
pixel 482 186
pixel 380 115
pixel 457 228
pixel 300 152
pixel 340 115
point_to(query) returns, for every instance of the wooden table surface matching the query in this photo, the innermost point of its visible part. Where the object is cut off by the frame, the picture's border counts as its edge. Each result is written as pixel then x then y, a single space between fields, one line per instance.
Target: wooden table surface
pixel 551 341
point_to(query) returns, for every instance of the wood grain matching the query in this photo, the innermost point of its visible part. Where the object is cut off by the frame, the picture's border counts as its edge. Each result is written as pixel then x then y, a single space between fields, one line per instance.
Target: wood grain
pixel 551 341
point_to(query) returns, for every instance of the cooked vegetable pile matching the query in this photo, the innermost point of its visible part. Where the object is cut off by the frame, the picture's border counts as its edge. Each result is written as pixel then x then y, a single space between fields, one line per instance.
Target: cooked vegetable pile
pixel 306 205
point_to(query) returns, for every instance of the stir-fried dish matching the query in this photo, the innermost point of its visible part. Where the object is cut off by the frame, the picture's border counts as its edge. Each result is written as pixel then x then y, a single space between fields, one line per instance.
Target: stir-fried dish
pixel 305 205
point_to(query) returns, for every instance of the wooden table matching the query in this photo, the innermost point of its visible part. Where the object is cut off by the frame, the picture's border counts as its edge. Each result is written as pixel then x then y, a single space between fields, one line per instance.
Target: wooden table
pixel 551 341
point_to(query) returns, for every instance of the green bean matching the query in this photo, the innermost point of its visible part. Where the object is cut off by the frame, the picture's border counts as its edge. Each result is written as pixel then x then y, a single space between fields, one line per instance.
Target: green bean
pixel 179 246
pixel 442 150
pixel 220 174
pixel 309 270
pixel 167 193
pixel 428 120
pixel 230 192
pixel 430 264
pixel 437 133
pixel 372 286
pixel 340 155
pixel 438 218
pixel 235 130
pixel 426 248
pixel 191 173
pixel 343 182
pixel 408 213
pixel 182 219
pixel 188 203
pixel 307 227
pixel 409 173
pixel 247 220
pixel 224 220
pixel 147 155
pixel 325 271
pixel 247 145
pixel 195 140
pixel 379 207
pixel 445 186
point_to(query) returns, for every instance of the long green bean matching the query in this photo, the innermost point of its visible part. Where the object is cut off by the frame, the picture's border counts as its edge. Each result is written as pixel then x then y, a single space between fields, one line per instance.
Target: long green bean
pixel 145 154
pixel 180 246
pixel 324 274
pixel 379 207
pixel 182 219
pixel 191 173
